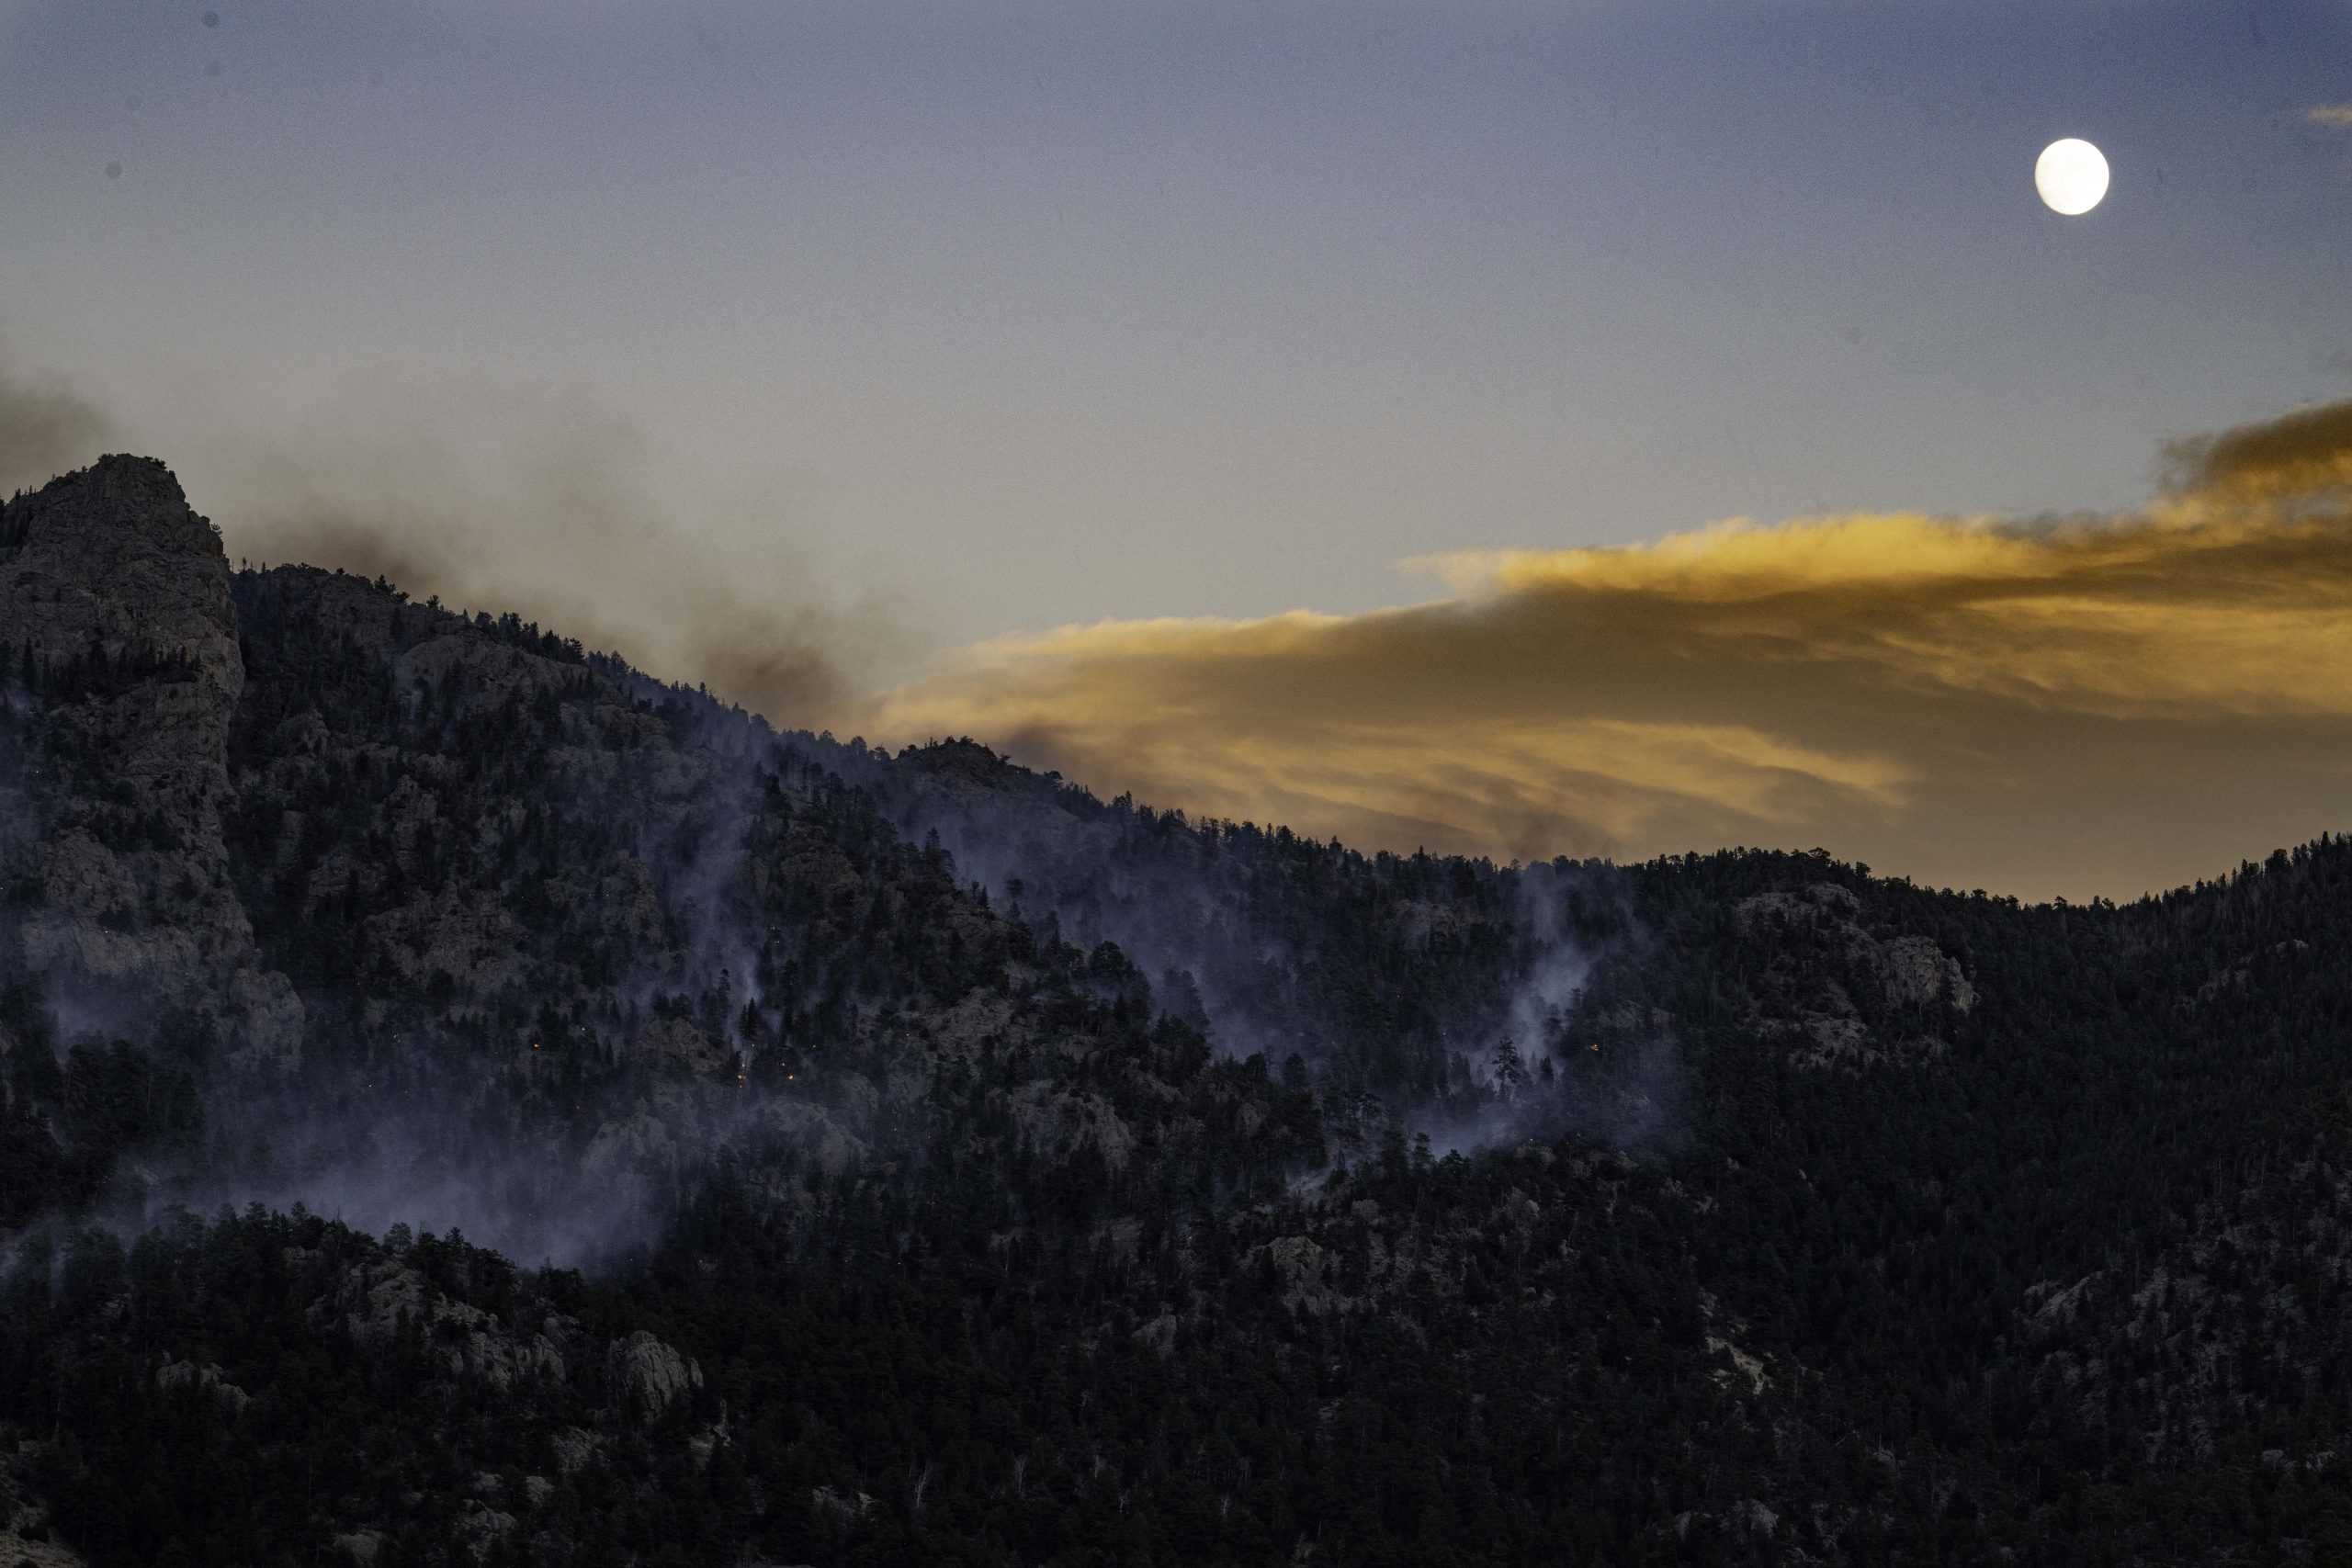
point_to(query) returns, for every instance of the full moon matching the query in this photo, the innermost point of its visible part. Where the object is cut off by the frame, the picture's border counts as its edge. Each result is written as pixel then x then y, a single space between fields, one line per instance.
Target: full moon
pixel 2071 176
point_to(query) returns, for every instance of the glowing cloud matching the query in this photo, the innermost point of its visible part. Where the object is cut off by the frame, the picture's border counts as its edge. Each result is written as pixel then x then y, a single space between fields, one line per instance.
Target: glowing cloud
pixel 2079 705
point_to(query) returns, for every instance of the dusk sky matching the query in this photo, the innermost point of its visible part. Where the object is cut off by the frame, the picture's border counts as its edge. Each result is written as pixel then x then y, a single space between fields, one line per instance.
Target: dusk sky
pixel 801 347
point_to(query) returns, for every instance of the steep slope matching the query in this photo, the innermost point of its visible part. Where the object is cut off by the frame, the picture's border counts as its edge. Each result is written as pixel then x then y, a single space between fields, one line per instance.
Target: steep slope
pixel 568 925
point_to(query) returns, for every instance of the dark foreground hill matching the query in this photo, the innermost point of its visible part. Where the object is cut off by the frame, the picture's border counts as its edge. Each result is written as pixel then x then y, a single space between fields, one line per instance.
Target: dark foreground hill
pixel 466 1101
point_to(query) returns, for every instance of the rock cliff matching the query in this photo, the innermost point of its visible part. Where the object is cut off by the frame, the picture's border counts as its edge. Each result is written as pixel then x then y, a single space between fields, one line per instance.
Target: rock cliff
pixel 113 601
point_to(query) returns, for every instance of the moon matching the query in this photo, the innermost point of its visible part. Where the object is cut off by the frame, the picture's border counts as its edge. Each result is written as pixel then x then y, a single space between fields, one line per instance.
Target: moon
pixel 2071 174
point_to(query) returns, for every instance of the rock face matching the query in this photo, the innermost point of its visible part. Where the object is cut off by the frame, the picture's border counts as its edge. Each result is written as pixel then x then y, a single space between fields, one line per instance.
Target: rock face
pixel 643 1368
pixel 115 554
pixel 1302 1268
pixel 1844 996
pixel 467 1340
pixel 1915 970
pixel 114 604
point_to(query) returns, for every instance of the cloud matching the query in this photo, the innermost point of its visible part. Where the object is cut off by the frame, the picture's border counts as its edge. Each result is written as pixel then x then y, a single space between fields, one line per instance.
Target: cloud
pixel 2305 455
pixel 46 429
pixel 2081 705
pixel 2096 705
pixel 2336 117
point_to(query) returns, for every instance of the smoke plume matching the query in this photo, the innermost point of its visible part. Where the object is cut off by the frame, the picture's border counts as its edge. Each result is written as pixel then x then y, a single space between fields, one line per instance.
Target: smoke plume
pixel 46 429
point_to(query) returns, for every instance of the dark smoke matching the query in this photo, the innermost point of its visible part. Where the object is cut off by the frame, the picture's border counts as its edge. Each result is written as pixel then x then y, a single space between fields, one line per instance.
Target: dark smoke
pixel 546 503
pixel 46 429
pixel 569 516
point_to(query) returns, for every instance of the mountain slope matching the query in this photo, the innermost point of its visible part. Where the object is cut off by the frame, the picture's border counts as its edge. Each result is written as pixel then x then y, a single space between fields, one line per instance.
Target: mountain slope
pixel 962 1167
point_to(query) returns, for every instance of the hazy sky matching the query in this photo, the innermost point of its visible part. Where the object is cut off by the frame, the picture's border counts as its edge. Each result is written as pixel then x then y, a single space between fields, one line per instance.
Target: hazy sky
pixel 889 327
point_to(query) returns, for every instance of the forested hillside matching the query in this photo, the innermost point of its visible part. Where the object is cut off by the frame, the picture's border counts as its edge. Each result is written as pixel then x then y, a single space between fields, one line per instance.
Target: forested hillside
pixel 467 1101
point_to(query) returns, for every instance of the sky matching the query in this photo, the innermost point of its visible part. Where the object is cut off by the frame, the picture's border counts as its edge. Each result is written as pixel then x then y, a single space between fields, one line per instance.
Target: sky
pixel 1355 415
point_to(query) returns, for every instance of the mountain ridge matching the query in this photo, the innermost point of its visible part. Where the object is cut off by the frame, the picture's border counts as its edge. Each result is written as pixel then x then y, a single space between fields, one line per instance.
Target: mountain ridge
pixel 1030 1178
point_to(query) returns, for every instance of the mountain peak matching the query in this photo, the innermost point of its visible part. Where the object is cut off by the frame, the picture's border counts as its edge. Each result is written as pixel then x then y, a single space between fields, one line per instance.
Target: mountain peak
pixel 121 495
pixel 125 471
pixel 114 554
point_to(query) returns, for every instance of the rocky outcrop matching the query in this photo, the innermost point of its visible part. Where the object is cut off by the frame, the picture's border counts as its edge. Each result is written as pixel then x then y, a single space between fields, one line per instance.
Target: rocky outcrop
pixel 1840 994
pixel 650 1374
pixel 575 1449
pixel 114 595
pixel 1302 1267
pixel 469 1342
pixel 482 1525
pixel 186 1374
pixel 1914 970
pixel 1052 1118
pixel 114 555
pixel 360 1546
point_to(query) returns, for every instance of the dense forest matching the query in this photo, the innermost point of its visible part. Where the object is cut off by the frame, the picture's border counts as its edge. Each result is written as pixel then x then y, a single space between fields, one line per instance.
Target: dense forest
pixel 707 1144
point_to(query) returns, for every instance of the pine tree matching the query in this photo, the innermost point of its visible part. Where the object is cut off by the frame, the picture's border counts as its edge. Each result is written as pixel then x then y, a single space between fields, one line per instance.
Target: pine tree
pixel 1510 1071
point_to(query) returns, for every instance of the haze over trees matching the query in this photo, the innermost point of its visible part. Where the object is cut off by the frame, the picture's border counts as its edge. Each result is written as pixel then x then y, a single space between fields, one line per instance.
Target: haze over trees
pixel 467 1102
